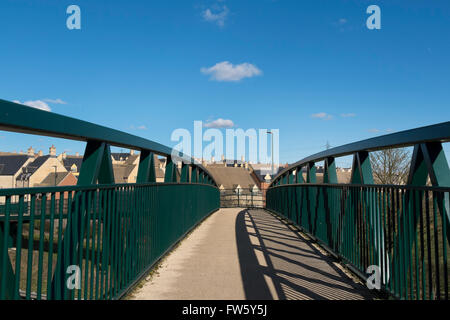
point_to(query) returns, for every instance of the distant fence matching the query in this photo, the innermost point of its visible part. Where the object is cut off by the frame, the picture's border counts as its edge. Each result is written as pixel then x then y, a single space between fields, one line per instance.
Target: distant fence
pixel 230 198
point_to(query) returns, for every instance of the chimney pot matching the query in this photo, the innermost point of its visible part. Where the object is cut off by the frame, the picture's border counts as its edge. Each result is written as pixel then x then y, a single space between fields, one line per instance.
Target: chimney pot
pixel 52 151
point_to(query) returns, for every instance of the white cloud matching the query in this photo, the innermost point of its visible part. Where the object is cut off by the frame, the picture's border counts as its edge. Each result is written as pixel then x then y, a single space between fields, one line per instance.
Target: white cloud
pixel 375 130
pixel 348 115
pixel 55 101
pixel 141 127
pixel 219 123
pixel 218 17
pixel 342 21
pixel 226 71
pixel 322 115
pixel 38 104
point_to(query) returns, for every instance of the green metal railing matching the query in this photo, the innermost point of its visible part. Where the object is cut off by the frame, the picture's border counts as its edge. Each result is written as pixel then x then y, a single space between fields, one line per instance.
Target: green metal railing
pixel 401 230
pixel 96 239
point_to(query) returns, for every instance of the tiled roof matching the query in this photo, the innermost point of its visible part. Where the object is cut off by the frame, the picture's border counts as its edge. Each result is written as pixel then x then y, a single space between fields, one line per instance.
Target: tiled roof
pixel 231 176
pixel 122 172
pixel 69 161
pixel 50 179
pixel 32 167
pixel 10 164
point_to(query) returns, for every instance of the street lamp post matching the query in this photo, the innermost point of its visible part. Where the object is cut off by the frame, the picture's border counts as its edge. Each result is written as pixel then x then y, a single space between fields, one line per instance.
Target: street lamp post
pixel 55 173
pixel 271 149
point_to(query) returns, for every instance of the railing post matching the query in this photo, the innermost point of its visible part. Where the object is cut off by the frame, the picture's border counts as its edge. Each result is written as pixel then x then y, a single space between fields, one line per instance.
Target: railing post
pixel 184 173
pixel 311 173
pixel 146 170
pixel 361 169
pixel 361 174
pixel 429 160
pixel 299 175
pixel 96 165
pixel 170 174
pixel 6 269
pixel 310 194
pixel 329 176
pixel 194 174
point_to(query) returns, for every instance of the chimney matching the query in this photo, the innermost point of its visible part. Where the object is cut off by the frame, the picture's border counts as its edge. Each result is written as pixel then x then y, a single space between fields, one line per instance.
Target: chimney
pixel 64 155
pixel 40 153
pixel 52 151
pixel 30 152
pixel 212 159
pixel 223 158
pixel 77 154
pixel 242 158
pixel 131 152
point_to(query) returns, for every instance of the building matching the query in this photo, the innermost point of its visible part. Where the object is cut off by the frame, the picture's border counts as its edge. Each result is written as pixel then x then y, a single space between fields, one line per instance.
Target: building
pixel 71 163
pixel 37 170
pixel 59 179
pixel 231 177
pixel 11 167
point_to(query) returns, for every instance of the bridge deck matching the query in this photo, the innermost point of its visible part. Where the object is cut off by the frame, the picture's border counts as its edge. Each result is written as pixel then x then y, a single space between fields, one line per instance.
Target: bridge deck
pixel 248 254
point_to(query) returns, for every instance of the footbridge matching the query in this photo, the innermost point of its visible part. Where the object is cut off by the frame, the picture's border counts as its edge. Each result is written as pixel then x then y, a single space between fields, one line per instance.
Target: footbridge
pixel 99 239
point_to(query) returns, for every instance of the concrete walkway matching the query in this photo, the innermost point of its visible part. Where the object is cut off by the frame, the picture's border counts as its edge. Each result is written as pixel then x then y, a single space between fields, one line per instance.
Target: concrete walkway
pixel 240 254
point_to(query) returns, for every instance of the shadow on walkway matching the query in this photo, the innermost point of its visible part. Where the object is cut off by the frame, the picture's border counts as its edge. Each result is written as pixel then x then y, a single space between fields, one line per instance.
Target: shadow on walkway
pixel 278 263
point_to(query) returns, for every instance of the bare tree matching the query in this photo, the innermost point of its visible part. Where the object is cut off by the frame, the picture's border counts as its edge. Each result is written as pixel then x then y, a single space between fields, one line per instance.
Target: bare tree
pixel 391 166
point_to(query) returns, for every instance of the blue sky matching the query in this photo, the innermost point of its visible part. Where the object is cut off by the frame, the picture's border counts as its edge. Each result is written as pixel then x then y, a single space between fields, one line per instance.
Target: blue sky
pixel 311 69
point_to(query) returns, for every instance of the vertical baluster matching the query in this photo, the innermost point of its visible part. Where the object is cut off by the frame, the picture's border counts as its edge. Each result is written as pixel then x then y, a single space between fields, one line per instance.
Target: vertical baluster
pixel 30 246
pixel 6 275
pixel 429 266
pixel 436 245
pixel 18 270
pixel 441 197
pixel 50 246
pixel 41 244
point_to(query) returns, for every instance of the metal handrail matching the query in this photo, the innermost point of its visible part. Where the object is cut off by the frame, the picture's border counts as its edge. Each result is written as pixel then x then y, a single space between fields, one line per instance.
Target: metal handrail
pixel 15 117
pixel 438 132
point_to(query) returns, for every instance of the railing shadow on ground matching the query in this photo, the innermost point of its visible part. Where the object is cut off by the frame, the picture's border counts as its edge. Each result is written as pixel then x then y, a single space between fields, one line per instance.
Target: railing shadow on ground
pixel 290 268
